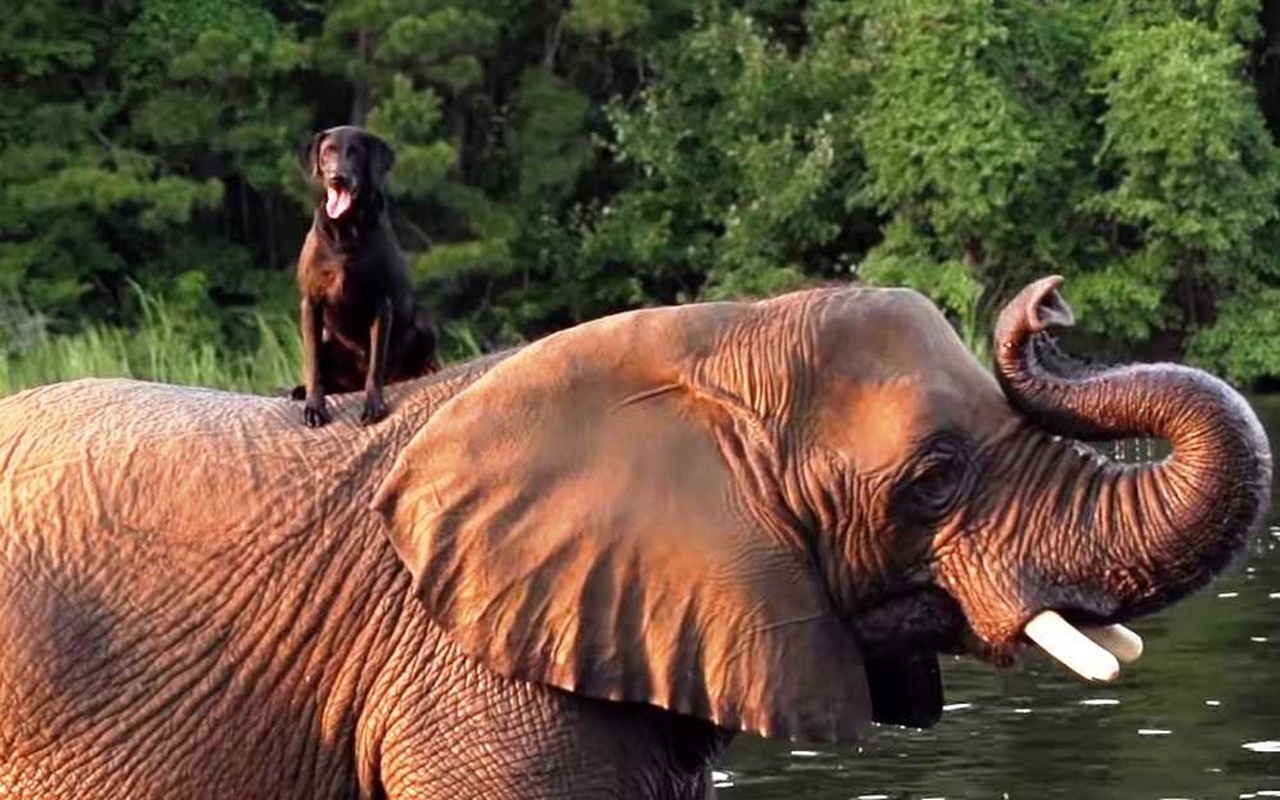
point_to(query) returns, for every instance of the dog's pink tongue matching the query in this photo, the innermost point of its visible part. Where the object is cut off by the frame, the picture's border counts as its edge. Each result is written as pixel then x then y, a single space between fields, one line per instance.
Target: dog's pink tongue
pixel 337 202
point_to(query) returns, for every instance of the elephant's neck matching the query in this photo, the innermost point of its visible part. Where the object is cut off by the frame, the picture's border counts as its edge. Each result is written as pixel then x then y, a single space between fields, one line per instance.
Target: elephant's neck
pixel 422 397
pixel 353 650
pixel 342 546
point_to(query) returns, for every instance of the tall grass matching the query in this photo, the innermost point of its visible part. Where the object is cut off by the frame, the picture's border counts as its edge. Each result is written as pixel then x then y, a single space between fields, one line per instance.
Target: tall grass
pixel 159 349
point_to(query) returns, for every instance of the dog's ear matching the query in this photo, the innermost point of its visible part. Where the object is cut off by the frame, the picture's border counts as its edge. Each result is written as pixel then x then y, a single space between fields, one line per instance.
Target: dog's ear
pixel 309 155
pixel 381 159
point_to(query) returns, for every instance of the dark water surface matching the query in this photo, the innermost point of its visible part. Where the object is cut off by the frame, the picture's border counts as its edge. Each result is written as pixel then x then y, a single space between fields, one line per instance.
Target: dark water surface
pixel 1197 717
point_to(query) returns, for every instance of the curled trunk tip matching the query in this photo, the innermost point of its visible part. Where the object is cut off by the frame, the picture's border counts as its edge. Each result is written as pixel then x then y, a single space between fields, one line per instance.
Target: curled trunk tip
pixel 1037 308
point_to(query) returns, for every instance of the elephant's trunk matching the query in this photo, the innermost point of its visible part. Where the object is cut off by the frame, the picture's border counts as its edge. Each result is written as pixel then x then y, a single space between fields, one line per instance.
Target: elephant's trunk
pixel 1161 529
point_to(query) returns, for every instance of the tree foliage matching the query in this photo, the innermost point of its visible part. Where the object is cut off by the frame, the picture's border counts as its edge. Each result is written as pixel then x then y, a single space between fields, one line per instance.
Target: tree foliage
pixel 560 161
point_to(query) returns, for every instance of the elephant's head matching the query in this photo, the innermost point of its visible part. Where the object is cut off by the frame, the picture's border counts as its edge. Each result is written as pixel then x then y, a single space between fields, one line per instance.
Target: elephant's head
pixel 775 515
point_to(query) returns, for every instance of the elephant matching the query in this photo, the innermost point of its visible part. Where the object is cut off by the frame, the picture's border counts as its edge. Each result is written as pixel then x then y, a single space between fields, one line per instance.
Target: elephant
pixel 578 568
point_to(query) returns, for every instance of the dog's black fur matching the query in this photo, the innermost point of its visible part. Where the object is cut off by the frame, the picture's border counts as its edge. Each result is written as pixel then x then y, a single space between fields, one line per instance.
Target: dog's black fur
pixel 360 326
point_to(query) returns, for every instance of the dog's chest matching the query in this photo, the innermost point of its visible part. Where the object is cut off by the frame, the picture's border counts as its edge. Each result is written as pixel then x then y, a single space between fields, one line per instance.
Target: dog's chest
pixel 329 282
pixel 346 279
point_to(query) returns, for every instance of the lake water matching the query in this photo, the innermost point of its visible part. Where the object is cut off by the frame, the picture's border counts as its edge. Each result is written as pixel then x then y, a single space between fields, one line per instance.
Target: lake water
pixel 1197 717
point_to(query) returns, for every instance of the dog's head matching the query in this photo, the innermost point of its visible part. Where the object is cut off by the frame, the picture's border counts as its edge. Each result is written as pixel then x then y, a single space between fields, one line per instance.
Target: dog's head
pixel 350 166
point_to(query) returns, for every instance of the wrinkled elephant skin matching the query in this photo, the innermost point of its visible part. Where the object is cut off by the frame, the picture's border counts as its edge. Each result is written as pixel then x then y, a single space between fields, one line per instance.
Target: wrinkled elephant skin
pixel 576 569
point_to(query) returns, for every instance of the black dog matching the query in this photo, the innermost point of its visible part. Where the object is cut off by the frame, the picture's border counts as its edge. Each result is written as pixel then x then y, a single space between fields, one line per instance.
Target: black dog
pixel 360 327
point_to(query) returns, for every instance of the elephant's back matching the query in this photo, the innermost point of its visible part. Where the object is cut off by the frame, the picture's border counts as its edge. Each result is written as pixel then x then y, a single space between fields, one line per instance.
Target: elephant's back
pixel 126 462
pixel 60 419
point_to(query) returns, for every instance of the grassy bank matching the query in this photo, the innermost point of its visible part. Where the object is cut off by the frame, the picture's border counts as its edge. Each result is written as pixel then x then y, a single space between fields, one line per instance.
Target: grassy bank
pixel 169 348
pixel 162 349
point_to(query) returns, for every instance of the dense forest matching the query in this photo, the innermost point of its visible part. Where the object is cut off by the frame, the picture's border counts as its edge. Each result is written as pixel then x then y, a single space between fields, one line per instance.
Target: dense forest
pixel 557 161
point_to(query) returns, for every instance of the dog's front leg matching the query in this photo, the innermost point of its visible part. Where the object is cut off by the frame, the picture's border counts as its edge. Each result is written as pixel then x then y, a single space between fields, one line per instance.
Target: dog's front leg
pixel 375 407
pixel 314 413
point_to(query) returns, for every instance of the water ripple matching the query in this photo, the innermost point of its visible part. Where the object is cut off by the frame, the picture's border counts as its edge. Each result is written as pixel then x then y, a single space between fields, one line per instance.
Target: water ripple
pixel 1262 747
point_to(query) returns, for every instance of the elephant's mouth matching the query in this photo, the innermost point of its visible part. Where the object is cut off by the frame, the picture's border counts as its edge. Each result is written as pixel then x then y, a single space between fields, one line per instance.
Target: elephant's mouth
pixel 904 635
pixel 924 619
pixel 902 638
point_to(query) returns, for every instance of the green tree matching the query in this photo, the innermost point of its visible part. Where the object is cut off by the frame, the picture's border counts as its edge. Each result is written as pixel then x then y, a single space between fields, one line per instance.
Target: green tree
pixel 1192 180
pixel 969 146
pixel 556 162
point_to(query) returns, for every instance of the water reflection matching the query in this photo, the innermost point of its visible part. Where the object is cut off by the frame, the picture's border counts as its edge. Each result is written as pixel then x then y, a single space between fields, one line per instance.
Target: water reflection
pixel 1197 717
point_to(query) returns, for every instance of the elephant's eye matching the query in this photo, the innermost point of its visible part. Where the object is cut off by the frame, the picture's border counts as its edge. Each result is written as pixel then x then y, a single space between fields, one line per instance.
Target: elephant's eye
pixel 934 488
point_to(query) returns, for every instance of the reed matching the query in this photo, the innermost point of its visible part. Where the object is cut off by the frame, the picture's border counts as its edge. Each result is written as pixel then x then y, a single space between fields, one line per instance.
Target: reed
pixel 160 349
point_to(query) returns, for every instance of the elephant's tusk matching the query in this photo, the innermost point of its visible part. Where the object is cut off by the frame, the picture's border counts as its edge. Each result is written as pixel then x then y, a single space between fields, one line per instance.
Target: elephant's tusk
pixel 1071 648
pixel 1117 640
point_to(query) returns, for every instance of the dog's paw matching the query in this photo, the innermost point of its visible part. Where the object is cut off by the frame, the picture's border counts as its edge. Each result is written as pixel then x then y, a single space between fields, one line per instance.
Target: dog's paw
pixel 375 408
pixel 315 414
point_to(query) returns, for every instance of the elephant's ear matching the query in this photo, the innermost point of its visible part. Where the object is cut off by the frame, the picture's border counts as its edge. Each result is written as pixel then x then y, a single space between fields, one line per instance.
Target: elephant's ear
pixel 588 516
